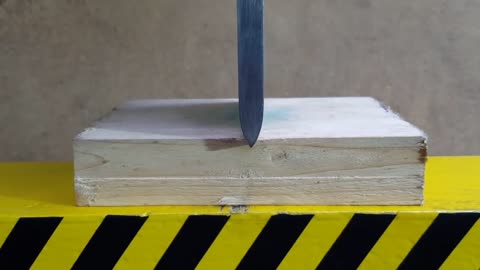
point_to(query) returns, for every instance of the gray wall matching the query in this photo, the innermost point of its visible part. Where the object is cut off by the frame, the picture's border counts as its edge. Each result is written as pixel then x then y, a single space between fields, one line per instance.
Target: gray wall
pixel 65 63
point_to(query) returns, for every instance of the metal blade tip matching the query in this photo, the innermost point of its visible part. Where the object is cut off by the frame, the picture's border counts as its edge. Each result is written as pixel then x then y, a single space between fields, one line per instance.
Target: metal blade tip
pixel 251 134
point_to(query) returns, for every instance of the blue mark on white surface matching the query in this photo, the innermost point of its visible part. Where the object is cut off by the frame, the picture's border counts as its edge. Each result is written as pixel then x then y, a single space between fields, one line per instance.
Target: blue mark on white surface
pixel 277 114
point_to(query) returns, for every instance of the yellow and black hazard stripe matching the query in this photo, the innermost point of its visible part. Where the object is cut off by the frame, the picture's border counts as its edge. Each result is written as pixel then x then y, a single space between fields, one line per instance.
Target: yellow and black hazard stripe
pixel 260 241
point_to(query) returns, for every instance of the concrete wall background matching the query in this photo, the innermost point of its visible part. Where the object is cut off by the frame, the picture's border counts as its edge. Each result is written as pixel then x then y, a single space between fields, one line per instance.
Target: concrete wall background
pixel 64 63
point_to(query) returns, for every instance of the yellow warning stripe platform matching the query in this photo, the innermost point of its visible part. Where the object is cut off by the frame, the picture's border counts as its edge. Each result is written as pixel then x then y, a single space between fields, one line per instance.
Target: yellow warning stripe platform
pixel 40 228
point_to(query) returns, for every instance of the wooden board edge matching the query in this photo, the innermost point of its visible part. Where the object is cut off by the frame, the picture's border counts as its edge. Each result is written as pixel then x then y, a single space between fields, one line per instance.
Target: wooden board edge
pixel 273 191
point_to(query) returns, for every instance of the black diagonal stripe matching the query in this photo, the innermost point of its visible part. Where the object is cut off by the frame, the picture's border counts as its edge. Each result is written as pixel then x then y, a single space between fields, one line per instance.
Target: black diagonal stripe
pixel 355 241
pixel 436 244
pixel 192 242
pixel 109 242
pixel 26 241
pixel 274 242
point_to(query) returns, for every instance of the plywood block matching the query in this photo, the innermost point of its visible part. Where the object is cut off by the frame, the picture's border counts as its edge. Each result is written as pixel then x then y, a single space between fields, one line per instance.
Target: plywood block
pixel 311 151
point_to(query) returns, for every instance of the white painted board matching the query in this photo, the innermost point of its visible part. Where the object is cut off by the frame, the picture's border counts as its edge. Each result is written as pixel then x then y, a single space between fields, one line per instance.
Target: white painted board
pixel 310 151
